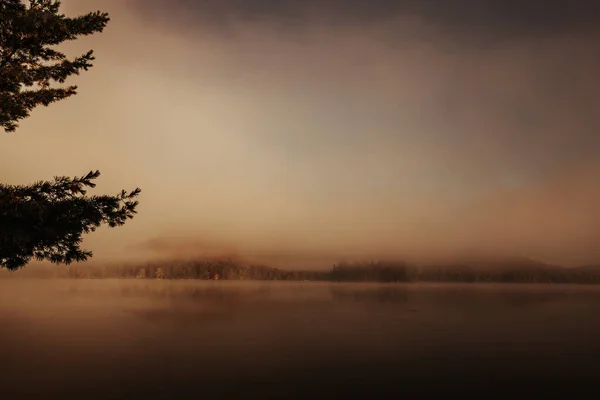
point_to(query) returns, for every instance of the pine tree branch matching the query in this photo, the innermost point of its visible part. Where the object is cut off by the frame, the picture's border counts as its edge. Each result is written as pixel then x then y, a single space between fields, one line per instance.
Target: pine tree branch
pixel 46 220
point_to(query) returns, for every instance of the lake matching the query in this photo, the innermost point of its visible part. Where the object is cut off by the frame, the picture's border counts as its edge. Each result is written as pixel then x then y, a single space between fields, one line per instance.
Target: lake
pixel 154 339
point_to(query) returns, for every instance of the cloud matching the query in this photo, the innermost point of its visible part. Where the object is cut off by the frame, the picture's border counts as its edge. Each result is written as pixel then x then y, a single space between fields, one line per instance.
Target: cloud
pixel 467 20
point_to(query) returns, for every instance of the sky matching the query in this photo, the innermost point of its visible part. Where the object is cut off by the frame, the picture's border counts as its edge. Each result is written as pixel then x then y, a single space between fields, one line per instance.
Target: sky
pixel 299 133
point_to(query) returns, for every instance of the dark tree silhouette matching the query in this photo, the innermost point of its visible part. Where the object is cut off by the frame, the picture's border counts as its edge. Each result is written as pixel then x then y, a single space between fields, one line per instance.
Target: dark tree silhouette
pixel 46 220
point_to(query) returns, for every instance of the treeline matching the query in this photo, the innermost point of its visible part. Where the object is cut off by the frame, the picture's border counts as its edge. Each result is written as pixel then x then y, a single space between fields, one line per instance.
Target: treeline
pixel 203 269
pixel 375 271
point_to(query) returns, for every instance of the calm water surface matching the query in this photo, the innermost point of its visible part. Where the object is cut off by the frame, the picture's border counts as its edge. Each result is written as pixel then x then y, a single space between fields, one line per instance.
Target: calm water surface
pixel 129 339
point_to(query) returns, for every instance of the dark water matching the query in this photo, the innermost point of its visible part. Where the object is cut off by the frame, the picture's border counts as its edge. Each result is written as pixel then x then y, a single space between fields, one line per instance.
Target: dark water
pixel 130 339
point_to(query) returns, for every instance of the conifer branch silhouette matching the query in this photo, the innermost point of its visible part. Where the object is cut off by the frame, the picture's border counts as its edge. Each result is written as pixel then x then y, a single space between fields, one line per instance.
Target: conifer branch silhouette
pixel 46 220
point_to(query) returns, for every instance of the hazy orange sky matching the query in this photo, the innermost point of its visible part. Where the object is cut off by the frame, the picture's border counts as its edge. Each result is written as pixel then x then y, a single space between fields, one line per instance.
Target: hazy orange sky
pixel 298 133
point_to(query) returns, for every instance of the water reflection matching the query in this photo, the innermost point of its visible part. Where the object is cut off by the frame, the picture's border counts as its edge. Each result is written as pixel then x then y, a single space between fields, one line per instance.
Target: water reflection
pixel 185 305
pixel 391 294
pixel 470 295
pixel 144 338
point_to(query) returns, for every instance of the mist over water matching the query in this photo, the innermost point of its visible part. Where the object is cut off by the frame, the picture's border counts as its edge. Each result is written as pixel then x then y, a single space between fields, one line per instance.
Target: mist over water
pixel 166 339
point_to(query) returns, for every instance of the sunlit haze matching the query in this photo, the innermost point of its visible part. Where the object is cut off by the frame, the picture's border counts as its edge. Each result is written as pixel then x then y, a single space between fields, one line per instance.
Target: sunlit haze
pixel 299 135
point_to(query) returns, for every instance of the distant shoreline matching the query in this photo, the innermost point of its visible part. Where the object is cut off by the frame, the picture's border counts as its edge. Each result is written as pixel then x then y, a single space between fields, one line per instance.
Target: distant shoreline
pixel 511 271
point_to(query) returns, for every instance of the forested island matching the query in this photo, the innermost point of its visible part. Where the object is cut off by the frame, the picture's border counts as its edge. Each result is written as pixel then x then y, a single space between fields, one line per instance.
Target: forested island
pixel 509 271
